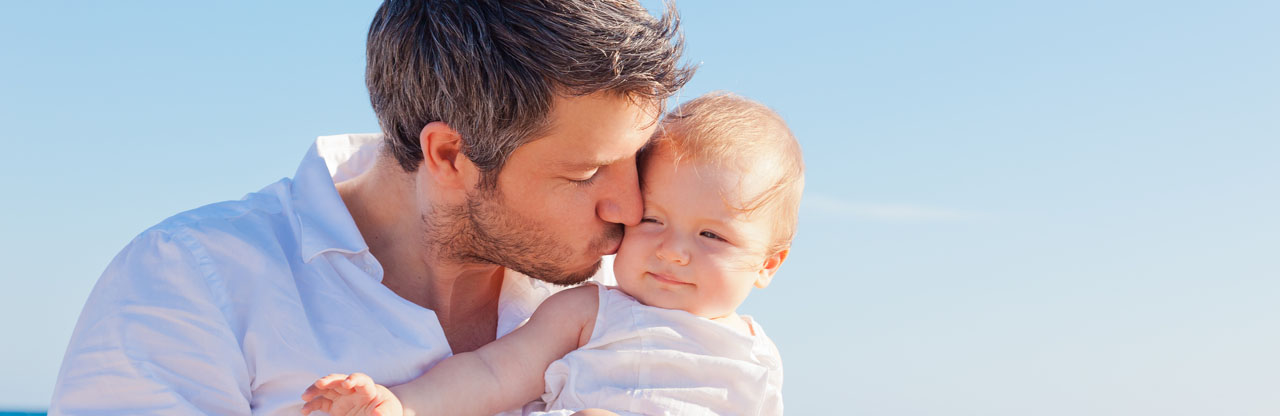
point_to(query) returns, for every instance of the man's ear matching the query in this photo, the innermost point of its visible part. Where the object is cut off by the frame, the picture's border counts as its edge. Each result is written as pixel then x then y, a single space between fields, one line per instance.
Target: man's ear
pixel 442 157
pixel 770 267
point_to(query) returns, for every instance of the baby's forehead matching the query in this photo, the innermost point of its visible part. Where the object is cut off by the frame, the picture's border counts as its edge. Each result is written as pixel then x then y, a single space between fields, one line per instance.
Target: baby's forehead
pixel 735 185
pixel 743 168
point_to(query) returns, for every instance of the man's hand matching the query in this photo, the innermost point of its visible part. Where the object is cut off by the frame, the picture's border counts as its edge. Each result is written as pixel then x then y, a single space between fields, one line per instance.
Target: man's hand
pixel 354 395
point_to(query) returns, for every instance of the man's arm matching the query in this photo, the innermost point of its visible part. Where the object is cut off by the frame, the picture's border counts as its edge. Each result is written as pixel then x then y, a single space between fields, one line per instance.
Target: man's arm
pixel 152 340
pixel 508 372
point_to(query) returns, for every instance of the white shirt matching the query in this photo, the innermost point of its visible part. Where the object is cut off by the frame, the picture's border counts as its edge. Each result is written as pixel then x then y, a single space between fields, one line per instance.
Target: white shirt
pixel 643 360
pixel 238 306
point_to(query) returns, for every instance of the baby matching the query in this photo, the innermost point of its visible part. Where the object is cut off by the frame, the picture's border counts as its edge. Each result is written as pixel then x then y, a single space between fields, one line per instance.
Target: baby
pixel 721 181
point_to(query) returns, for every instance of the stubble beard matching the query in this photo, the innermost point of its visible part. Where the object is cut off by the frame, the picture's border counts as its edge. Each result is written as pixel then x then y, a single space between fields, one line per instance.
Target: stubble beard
pixel 483 230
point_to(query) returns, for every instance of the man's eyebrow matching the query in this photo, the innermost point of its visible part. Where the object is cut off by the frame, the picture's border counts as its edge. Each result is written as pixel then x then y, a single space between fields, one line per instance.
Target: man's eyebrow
pixel 592 164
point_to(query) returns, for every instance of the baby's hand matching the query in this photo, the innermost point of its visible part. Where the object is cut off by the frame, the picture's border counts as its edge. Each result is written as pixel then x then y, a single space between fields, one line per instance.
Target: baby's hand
pixel 357 394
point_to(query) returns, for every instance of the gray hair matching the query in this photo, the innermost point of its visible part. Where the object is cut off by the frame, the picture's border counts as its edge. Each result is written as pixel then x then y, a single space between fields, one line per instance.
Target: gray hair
pixel 491 69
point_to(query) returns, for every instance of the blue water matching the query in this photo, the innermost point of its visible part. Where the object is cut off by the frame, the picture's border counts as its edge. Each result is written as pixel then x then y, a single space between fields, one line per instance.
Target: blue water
pixel 12 413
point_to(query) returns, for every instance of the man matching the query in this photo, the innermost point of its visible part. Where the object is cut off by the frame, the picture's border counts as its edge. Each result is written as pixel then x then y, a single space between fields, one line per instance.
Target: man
pixel 508 150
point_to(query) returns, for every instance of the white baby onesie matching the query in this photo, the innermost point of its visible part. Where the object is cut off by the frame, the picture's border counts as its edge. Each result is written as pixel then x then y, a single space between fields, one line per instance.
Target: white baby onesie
pixel 653 361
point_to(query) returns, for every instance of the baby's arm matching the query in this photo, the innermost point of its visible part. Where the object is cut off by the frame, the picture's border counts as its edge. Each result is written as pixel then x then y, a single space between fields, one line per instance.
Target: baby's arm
pixel 508 372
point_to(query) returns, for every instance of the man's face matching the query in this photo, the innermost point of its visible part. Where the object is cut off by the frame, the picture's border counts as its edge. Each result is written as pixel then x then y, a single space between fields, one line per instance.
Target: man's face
pixel 562 199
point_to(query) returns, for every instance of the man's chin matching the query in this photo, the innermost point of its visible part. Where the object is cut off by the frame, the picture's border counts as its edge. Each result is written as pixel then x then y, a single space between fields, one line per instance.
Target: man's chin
pixel 573 278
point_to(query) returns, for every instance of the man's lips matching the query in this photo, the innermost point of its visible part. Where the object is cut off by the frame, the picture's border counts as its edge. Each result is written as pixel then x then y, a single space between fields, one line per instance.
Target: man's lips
pixel 667 279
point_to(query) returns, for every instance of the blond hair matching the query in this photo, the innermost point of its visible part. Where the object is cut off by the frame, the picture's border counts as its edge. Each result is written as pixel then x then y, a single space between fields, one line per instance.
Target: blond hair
pixel 728 130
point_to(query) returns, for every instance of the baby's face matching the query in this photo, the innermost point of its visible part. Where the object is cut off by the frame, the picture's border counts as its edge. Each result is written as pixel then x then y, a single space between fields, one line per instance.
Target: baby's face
pixel 692 250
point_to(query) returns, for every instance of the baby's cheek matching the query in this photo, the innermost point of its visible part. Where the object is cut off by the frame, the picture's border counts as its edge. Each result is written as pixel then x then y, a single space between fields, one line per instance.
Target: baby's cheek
pixel 735 260
pixel 624 265
pixel 638 245
pixel 630 260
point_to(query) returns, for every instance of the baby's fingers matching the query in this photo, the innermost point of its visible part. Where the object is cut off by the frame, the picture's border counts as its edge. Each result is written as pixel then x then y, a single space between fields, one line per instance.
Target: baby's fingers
pixel 324 386
pixel 329 380
pixel 359 382
pixel 320 403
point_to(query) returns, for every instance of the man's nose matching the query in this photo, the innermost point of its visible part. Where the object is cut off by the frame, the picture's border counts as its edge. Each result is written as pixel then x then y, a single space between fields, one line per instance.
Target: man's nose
pixel 621 203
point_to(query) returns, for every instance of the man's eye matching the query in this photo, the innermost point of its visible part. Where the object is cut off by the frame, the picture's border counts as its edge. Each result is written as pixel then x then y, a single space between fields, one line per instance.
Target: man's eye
pixel 711 235
pixel 588 180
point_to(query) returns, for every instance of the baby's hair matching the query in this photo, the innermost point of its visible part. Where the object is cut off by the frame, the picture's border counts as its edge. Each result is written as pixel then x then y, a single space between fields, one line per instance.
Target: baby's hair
pixel 728 130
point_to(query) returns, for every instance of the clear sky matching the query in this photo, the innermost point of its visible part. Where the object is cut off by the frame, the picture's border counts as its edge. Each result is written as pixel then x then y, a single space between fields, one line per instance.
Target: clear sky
pixel 1050 208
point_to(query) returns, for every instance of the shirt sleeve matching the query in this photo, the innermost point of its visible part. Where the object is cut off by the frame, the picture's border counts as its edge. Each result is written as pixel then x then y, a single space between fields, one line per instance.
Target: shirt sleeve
pixel 153 339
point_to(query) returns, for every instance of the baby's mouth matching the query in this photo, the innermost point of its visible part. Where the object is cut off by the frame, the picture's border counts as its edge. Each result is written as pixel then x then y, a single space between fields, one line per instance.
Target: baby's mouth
pixel 667 279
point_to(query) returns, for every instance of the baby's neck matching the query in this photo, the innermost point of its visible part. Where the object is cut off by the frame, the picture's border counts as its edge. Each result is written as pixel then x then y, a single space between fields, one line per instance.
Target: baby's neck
pixel 732 320
pixel 736 322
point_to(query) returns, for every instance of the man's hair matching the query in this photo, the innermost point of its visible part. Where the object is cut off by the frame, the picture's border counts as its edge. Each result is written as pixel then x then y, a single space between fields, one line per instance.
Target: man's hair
pixel 491 69
pixel 727 130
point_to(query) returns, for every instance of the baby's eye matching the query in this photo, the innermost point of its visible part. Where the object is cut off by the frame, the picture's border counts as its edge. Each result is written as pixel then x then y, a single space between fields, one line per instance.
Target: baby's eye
pixel 711 235
pixel 650 219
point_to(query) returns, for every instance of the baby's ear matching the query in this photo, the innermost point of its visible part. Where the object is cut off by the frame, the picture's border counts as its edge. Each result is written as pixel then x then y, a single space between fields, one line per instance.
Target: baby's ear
pixel 770 267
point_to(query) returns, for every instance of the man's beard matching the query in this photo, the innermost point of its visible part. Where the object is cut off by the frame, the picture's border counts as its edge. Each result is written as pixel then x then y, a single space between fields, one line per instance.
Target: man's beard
pixel 483 230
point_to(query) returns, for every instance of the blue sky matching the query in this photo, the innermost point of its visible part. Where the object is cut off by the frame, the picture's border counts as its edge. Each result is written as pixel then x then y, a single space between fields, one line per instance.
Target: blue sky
pixel 1012 207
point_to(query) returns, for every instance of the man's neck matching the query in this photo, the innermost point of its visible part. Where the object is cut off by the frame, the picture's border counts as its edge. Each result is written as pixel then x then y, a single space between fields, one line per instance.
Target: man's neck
pixel 386 208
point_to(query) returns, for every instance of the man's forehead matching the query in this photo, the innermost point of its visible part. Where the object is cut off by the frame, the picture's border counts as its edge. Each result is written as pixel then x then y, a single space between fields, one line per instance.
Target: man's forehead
pixel 595 130
pixel 585 161
pixel 601 151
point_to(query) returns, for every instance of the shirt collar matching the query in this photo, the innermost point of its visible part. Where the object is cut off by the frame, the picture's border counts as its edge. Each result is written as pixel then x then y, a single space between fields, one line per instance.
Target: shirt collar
pixel 324 224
